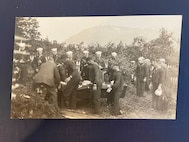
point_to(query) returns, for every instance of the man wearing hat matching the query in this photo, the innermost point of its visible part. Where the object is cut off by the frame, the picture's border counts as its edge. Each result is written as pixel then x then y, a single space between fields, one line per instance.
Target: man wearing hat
pixel 99 60
pixel 96 79
pixel 141 77
pixel 84 65
pixel 38 59
pixel 69 94
pixel 147 64
pixel 117 89
pixel 70 55
pixel 157 82
pixel 164 66
pixel 56 57
pixel 112 62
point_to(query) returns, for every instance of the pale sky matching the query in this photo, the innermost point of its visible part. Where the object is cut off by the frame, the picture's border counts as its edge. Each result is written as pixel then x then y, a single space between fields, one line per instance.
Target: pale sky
pixel 61 28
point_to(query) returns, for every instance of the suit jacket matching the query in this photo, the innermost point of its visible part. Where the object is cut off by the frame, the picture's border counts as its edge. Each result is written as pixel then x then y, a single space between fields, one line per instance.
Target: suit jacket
pixel 48 74
pixel 157 76
pixel 118 80
pixel 100 62
pixel 57 59
pixel 95 75
pixel 72 85
pixel 37 61
pixel 141 71
pixel 62 72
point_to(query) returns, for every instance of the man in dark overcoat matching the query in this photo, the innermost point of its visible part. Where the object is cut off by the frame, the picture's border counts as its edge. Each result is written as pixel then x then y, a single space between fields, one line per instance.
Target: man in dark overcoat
pixel 117 89
pixel 95 77
pixel 141 77
pixel 38 59
pixel 157 82
pixel 69 92
pixel 84 66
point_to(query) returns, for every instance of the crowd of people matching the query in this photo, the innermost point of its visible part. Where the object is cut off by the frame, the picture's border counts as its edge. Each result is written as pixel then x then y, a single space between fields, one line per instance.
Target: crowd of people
pixel 59 76
pixel 152 77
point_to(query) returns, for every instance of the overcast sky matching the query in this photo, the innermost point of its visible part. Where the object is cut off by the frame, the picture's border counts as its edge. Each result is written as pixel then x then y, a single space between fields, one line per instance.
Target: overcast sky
pixel 61 28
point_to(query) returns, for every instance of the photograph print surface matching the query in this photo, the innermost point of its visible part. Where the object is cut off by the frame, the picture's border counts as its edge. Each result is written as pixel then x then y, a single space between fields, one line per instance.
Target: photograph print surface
pixel 103 67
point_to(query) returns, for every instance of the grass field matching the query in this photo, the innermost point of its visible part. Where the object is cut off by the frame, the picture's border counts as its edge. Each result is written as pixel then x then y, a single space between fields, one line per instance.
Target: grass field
pixel 28 104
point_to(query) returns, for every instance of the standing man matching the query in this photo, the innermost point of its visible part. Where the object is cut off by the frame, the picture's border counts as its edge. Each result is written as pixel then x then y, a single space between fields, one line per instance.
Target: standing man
pixel 157 82
pixel 147 64
pixel 56 57
pixel 38 59
pixel 96 79
pixel 99 60
pixel 117 89
pixel 141 77
pixel 69 93
pixel 84 66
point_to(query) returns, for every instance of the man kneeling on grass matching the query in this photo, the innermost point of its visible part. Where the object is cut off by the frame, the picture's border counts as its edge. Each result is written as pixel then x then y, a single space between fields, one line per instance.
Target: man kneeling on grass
pixel 49 77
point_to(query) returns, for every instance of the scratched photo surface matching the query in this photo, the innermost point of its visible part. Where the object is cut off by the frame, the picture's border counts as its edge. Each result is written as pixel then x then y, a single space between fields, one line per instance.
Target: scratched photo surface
pixel 103 67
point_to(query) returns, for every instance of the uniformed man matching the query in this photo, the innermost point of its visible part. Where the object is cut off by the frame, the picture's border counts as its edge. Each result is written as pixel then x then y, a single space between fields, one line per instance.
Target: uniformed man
pixel 111 62
pixel 56 57
pixel 99 60
pixel 147 65
pixel 165 68
pixel 38 59
pixel 157 82
pixel 141 77
pixel 117 89
pixel 84 66
pixel 133 69
pixel 96 79
pixel 69 55
pixel 72 81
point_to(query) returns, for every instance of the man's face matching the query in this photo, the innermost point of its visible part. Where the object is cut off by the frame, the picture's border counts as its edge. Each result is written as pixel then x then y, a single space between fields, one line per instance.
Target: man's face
pixel 90 61
pixel 86 55
pixel 54 52
pixel 140 61
pixel 98 55
pixel 40 52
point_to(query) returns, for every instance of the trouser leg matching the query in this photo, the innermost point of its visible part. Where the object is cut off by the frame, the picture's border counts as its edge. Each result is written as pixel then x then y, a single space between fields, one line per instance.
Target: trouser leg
pixel 110 98
pixel 116 107
pixel 96 100
pixel 73 99
pixel 142 88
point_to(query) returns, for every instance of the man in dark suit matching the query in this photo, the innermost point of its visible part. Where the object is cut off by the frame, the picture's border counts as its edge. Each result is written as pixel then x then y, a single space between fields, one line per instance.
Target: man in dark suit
pixel 56 57
pixel 96 79
pixel 84 66
pixel 157 82
pixel 117 89
pixel 147 65
pixel 39 59
pixel 99 60
pixel 69 92
pixel 49 77
pixel 141 77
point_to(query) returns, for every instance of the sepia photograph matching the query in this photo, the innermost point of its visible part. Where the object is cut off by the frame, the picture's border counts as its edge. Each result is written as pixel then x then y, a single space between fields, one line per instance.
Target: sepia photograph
pixel 96 67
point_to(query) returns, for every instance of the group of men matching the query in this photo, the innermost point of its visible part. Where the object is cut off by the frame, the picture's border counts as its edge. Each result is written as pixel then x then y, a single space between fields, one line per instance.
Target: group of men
pixel 151 76
pixel 60 76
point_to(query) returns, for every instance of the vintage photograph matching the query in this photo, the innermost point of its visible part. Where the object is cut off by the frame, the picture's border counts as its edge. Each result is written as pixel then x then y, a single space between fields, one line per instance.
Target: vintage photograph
pixel 96 67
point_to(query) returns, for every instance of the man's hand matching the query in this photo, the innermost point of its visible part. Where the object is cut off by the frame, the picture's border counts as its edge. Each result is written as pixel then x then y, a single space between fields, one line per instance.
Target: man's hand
pixel 144 79
pixel 159 87
pixel 67 79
